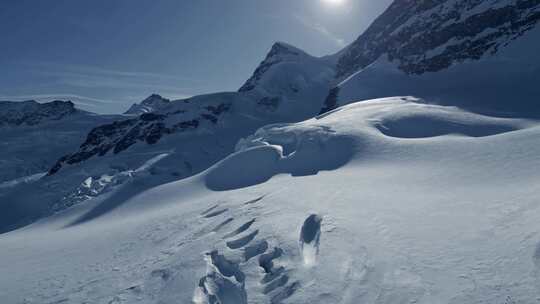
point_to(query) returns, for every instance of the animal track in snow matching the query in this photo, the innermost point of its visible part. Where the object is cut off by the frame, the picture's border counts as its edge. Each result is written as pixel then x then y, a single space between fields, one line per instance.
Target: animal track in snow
pixel 164 274
pixel 536 256
pixel 225 281
pixel 243 241
pixel 310 235
pixel 209 209
pixel 254 200
pixel 273 285
pixel 240 229
pixel 268 277
pixel 255 250
pixel 215 213
pixel 266 260
pixel 275 278
pixel 222 224
pixel 285 293
pixel 222 284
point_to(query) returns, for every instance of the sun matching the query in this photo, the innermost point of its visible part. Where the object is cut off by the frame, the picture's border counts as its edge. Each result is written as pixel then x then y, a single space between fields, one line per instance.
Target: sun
pixel 333 2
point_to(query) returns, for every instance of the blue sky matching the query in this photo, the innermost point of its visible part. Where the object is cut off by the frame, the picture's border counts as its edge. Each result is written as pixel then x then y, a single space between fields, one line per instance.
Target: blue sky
pixel 107 54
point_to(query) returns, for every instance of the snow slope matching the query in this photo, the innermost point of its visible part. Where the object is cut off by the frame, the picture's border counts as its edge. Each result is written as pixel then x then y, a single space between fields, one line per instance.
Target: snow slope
pixel 409 214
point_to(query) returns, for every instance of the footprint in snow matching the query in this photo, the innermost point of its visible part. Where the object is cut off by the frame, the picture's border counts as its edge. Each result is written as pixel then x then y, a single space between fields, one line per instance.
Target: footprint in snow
pixel 310 235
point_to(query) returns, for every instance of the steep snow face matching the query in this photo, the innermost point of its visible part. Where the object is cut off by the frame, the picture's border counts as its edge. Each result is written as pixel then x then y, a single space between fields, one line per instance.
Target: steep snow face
pixel 429 36
pixel 409 216
pixel 32 113
pixel 480 55
pixel 151 104
pixel 290 81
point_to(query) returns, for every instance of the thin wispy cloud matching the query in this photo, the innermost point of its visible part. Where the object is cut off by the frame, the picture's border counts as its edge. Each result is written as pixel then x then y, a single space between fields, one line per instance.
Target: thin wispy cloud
pixel 321 29
pixel 121 88
pixel 89 77
pixel 95 70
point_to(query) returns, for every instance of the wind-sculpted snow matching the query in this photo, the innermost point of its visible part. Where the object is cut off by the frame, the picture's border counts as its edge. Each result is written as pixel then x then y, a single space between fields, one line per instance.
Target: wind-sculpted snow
pixel 419 125
pixel 313 146
pixel 272 150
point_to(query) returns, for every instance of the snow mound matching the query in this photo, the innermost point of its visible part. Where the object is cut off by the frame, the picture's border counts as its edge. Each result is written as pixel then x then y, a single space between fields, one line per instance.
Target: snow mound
pixel 416 124
pixel 331 140
pixel 294 149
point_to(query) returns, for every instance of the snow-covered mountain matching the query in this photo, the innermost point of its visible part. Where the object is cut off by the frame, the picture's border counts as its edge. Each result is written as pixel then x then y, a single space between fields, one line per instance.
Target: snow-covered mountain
pixel 153 103
pixel 252 197
pixel 290 82
pixel 479 54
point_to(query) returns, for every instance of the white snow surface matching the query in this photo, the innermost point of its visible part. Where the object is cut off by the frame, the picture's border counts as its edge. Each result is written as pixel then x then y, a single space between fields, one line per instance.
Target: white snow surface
pixel 383 201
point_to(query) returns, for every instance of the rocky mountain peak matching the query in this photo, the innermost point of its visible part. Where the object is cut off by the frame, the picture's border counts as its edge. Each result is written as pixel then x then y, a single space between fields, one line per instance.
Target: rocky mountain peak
pixel 280 52
pixel 152 103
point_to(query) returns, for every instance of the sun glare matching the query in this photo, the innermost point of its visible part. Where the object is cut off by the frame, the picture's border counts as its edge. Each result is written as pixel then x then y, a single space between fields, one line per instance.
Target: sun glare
pixel 333 2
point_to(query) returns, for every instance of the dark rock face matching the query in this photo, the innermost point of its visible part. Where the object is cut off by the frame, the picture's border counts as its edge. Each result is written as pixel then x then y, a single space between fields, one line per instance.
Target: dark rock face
pixel 431 35
pixel 331 101
pixel 33 113
pixel 277 54
pixel 148 128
